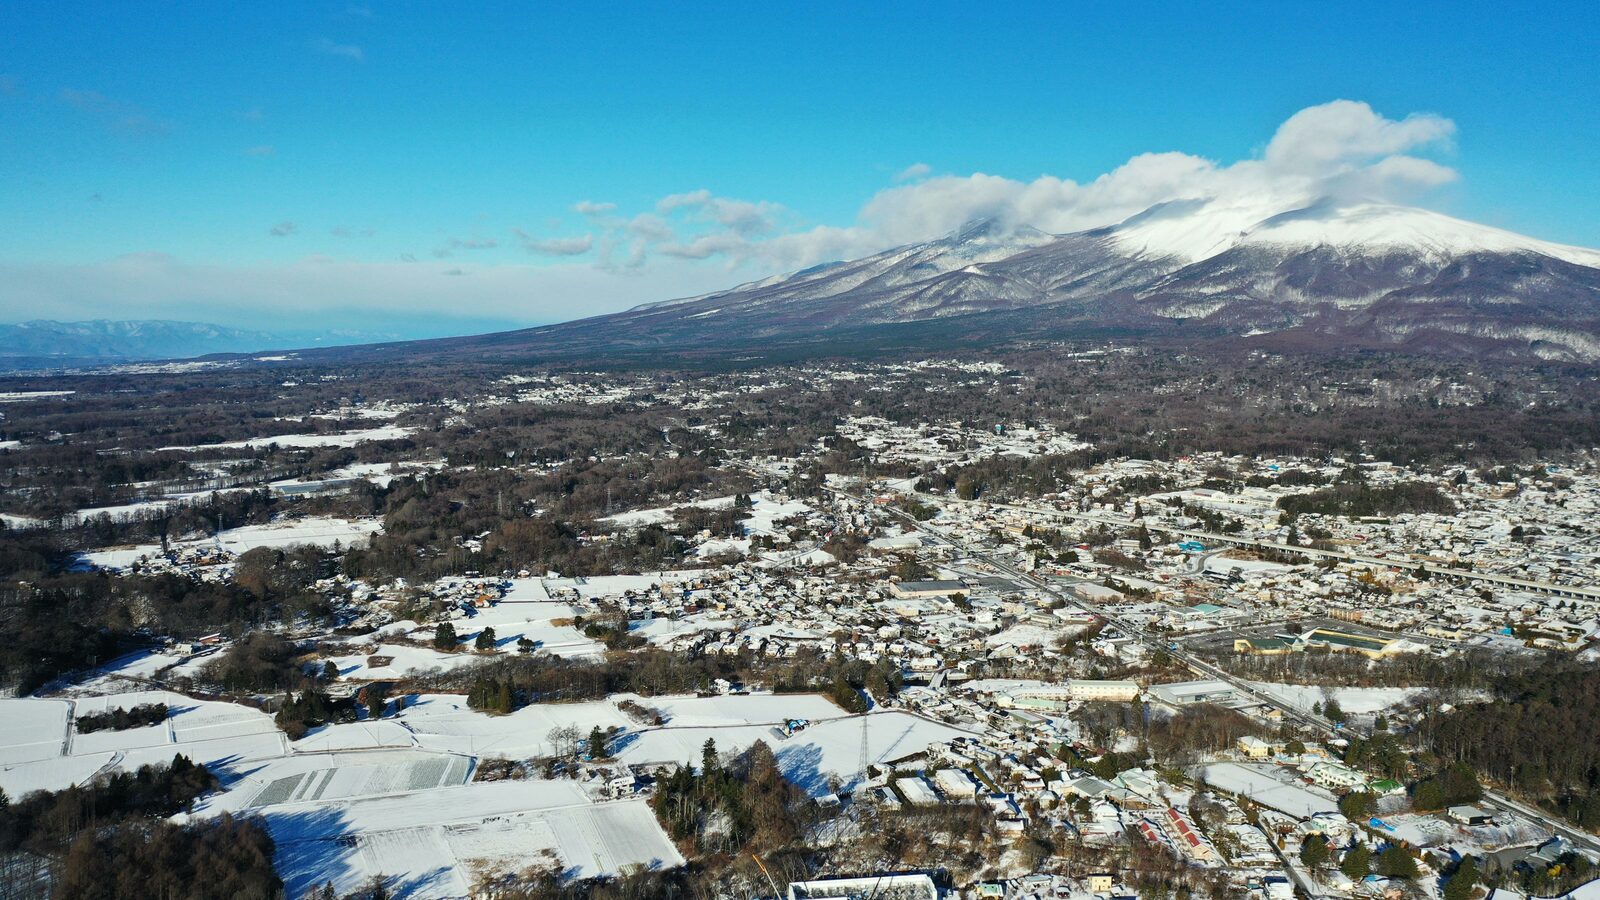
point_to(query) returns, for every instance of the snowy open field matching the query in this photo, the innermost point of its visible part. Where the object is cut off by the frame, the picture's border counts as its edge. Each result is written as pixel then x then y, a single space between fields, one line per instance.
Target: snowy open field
pixel 436 843
pixel 394 796
pixel 38 751
pixel 443 722
pixel 1226 564
pixel 1353 700
pixel 380 474
pixel 317 531
pixel 125 512
pixel 345 775
pixel 831 745
pixel 665 630
pixel 827 749
pixel 28 396
pixel 530 589
pixel 299 441
pixel 765 513
pixel 511 621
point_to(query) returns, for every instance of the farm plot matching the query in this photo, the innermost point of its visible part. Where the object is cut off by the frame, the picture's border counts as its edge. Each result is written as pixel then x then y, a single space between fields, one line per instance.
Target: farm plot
pixel 49 754
pixel 308 778
pixel 451 835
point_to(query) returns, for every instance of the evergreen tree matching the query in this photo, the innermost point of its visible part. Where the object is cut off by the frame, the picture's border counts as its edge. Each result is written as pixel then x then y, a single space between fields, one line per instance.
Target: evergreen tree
pixel 1463 882
pixel 1357 862
pixel 485 641
pixel 1314 851
pixel 1358 805
pixel 377 700
pixel 1395 862
pixel 444 636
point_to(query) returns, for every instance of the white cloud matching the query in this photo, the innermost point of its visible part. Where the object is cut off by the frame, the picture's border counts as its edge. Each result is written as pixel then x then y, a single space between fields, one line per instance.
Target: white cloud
pixel 677 201
pixel 1344 133
pixel 744 217
pixel 592 208
pixel 569 246
pixel 650 227
pixel 913 172
pixel 706 246
pixel 696 241
pixel 328 47
pixel 1342 150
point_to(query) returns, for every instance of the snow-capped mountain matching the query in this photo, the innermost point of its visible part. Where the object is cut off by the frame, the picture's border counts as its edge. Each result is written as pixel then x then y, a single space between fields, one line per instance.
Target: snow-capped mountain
pixel 1326 273
pixel 1196 230
pixel 1316 275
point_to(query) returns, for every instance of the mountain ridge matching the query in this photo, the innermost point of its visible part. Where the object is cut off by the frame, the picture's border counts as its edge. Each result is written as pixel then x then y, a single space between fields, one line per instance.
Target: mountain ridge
pixel 1360 273
pixel 1311 276
pixel 50 343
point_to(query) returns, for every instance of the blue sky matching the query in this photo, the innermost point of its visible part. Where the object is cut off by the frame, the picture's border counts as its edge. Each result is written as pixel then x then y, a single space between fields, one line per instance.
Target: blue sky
pixel 425 162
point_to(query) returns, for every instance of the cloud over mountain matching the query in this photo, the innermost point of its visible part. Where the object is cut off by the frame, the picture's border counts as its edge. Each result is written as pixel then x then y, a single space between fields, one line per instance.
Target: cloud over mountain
pixel 698 240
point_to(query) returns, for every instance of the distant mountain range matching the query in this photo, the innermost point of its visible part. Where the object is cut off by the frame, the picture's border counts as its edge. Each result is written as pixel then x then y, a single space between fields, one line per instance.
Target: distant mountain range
pixel 1315 276
pixel 47 344
pixel 1322 275
pixel 1307 276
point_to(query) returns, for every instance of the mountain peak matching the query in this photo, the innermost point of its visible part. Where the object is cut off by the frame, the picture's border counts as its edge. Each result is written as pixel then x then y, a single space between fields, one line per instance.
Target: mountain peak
pixel 992 229
pixel 1192 230
pixel 1312 272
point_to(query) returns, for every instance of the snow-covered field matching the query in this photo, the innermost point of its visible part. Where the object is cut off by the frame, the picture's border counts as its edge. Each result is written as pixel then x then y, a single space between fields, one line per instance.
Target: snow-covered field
pixel 39 751
pixel 765 513
pixel 346 775
pixel 394 796
pixel 127 512
pixel 810 758
pixel 437 843
pixel 317 531
pixel 301 441
pixel 1353 700
pixel 666 630
pixel 511 620
pixel 380 474
pixel 26 396
pixel 1226 565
